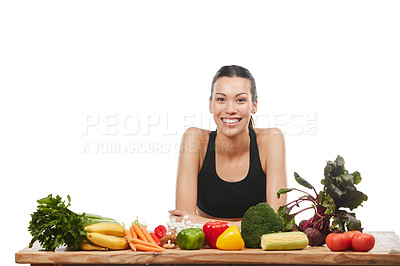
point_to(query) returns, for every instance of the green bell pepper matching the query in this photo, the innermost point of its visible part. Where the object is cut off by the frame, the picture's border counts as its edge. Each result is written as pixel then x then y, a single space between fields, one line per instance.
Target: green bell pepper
pixel 190 238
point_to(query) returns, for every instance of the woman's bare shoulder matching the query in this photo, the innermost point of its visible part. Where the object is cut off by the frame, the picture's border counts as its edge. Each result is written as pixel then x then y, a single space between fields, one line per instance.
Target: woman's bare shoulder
pixel 268 133
pixel 269 137
pixel 194 144
pixel 195 139
pixel 197 130
pixel 270 143
pixel 196 134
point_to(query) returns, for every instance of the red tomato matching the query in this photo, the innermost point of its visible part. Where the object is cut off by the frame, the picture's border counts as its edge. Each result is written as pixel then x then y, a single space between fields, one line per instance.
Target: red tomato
pixel 338 241
pixel 160 231
pixel 363 242
pixel 350 234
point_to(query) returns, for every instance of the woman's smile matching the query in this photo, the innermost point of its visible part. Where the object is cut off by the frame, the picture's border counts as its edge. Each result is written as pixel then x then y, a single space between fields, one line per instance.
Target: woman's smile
pixel 230 122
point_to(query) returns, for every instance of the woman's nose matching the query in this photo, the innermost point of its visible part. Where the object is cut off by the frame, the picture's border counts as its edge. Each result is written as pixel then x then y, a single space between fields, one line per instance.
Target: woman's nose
pixel 230 108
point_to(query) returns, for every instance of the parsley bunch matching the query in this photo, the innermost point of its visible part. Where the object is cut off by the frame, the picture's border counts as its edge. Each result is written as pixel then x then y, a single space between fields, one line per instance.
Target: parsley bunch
pixel 54 225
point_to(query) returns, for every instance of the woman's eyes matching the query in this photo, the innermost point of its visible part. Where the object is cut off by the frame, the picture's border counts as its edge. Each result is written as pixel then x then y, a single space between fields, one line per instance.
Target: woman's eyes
pixel 240 100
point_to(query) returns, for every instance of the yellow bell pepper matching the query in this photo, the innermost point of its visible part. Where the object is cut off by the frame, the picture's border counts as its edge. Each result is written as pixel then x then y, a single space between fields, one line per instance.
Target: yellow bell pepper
pixel 230 239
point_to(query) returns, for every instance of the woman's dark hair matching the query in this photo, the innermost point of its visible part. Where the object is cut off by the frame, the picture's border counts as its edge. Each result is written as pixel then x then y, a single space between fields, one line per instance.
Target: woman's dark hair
pixel 241 72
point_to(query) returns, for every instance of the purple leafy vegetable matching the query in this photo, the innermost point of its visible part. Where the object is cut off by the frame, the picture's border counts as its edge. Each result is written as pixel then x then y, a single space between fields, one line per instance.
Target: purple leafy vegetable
pixel 339 192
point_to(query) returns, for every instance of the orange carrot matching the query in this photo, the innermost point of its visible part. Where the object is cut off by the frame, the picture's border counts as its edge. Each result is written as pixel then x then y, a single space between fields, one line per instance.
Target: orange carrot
pixel 139 232
pixel 148 236
pixel 141 242
pixel 134 235
pixel 156 239
pixel 128 235
pixel 148 248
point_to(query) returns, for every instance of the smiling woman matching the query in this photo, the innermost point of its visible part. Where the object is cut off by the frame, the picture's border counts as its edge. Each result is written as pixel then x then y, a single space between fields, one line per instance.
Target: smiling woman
pixel 222 173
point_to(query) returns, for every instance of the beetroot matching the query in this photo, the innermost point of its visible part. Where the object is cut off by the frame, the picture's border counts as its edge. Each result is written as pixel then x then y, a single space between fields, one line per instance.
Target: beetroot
pixel 315 237
pixel 339 192
pixel 301 225
pixel 295 228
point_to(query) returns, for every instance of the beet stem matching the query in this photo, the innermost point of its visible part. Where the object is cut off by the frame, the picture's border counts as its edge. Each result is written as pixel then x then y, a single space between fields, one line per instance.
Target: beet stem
pixel 302 210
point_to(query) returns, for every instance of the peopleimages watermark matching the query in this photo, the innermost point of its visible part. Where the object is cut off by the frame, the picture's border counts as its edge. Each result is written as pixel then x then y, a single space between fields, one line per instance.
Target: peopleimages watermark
pixel 116 133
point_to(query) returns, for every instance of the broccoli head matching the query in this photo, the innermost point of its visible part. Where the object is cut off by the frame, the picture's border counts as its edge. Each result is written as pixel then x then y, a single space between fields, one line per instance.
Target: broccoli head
pixel 258 220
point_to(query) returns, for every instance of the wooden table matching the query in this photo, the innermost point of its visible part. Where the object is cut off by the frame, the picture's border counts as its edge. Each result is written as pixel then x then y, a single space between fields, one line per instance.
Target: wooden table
pixel 385 252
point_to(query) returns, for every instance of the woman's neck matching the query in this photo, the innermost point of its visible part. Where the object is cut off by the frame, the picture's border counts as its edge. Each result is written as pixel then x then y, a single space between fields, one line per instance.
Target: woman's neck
pixel 233 146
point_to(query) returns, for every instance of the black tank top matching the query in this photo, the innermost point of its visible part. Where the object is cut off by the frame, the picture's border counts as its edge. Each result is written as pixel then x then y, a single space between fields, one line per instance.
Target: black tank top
pixel 223 199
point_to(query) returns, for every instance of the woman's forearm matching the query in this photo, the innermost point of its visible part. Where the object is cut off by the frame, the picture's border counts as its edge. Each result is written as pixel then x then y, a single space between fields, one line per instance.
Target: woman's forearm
pixel 204 220
pixel 197 219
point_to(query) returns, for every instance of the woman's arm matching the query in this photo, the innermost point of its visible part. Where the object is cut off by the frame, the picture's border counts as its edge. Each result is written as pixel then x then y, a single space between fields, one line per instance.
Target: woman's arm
pixel 188 169
pixel 178 215
pixel 275 168
pixel 189 164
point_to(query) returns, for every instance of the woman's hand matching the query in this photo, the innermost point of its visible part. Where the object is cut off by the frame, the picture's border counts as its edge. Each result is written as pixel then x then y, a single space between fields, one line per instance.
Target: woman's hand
pixel 196 219
pixel 178 215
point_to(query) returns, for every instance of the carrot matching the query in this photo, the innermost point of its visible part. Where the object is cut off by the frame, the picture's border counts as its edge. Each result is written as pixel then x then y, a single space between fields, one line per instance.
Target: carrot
pixel 155 237
pixel 148 248
pixel 128 235
pixel 134 235
pixel 139 232
pixel 141 242
pixel 148 236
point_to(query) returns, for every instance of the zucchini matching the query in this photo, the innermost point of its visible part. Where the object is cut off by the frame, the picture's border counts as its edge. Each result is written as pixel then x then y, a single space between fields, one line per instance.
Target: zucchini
pixel 284 241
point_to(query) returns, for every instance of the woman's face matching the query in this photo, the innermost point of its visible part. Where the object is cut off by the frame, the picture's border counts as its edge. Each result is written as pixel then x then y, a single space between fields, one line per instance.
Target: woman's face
pixel 232 105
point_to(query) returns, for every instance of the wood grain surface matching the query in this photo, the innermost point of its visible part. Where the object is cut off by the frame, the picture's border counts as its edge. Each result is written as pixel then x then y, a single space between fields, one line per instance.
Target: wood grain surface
pixel 385 252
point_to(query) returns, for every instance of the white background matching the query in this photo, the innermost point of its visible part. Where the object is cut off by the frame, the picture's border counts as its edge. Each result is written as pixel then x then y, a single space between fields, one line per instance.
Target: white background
pixel 76 74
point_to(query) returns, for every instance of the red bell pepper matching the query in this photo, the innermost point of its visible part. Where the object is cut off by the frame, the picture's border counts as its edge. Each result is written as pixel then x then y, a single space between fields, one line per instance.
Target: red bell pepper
pixel 212 230
pixel 155 237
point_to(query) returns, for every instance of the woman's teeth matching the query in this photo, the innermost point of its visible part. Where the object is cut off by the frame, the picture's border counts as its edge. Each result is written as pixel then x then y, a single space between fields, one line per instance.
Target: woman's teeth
pixel 231 120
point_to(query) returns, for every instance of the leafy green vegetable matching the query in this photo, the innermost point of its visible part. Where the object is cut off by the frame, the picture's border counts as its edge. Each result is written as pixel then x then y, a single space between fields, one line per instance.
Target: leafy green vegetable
pixel 54 225
pixel 339 192
pixel 340 185
pixel 302 181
